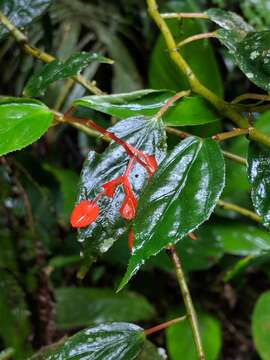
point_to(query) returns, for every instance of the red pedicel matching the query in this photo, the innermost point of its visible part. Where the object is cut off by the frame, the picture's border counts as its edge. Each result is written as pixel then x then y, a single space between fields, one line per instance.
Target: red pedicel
pixel 130 239
pixel 128 208
pixel 151 162
pixel 110 186
pixel 84 214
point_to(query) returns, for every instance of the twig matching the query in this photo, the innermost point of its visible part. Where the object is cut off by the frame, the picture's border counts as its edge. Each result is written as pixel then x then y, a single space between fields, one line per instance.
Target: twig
pixel 164 325
pixel 240 210
pixel 179 15
pixel 196 38
pixel 191 313
pixel 230 134
pixel 41 55
pixel 249 96
pixel 235 157
pixel 174 98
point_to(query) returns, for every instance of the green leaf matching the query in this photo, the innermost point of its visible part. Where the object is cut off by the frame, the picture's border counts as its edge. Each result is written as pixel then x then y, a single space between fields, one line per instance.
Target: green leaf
pixel 115 341
pixel 164 74
pixel 68 181
pixel 59 70
pixel 148 136
pixel 242 239
pixel 252 55
pixel 14 316
pixel 180 196
pixel 259 178
pixel 22 122
pixel 197 254
pixel 192 110
pixel 229 20
pixel 79 307
pixel 261 325
pixel 21 12
pixel 150 352
pixel 180 342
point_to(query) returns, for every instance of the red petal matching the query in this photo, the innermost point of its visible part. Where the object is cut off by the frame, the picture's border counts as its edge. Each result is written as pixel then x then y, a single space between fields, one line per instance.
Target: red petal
pixel 130 239
pixel 128 208
pixel 84 214
pixel 110 186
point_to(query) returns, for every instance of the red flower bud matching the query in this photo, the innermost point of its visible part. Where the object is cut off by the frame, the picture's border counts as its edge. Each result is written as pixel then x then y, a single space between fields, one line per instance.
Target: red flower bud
pixel 84 214
pixel 130 239
pixel 151 162
pixel 110 186
pixel 128 208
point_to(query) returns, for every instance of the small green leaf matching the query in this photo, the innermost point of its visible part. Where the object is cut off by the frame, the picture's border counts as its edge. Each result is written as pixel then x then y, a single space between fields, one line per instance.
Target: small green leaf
pixel 79 307
pixel 22 122
pixel 241 239
pixel 261 325
pixel 22 12
pixel 180 196
pixel 229 20
pixel 191 110
pixel 259 178
pixel 146 135
pixel 114 341
pixel 252 55
pixel 59 70
pixel 180 342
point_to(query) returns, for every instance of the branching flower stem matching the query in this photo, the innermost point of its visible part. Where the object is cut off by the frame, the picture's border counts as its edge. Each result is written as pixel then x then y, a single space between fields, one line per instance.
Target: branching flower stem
pixel 191 313
pixel 196 86
pixel 22 40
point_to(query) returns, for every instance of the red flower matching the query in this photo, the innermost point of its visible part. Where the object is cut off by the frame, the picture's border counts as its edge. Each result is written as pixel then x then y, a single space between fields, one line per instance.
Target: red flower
pixel 84 214
pixel 151 163
pixel 110 186
pixel 128 208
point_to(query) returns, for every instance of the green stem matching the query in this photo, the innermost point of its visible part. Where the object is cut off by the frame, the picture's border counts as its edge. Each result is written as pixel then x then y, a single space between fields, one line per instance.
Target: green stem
pixel 191 313
pixel 196 38
pixel 174 98
pixel 235 158
pixel 240 210
pixel 41 55
pixel 230 134
pixel 224 107
pixel 178 15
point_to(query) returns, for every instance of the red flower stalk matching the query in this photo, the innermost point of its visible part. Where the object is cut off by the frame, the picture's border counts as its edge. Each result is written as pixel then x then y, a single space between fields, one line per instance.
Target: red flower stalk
pixel 130 238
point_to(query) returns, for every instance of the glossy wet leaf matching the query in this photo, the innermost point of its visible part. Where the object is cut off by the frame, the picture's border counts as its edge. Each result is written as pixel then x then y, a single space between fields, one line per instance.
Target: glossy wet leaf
pixel 164 74
pixel 179 339
pixel 242 239
pixel 60 70
pixel 261 325
pixel 148 136
pixel 14 315
pixel 112 341
pixel 229 20
pixel 22 122
pixel 191 110
pixel 22 12
pixel 80 307
pixel 181 195
pixel 252 55
pixel 259 178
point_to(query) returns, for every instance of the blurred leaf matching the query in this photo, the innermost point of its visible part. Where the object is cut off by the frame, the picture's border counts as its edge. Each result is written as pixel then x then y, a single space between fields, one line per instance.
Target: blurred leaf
pixel 150 352
pixel 146 135
pixel 197 254
pixel 79 307
pixel 164 74
pixel 180 196
pixel 261 325
pixel 180 342
pixel 259 178
pixel 7 253
pixel 115 341
pixel 23 121
pixel 14 316
pixel 68 181
pixel 252 55
pixel 229 20
pixel 242 239
pixel 192 110
pixel 22 12
pixel 59 70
